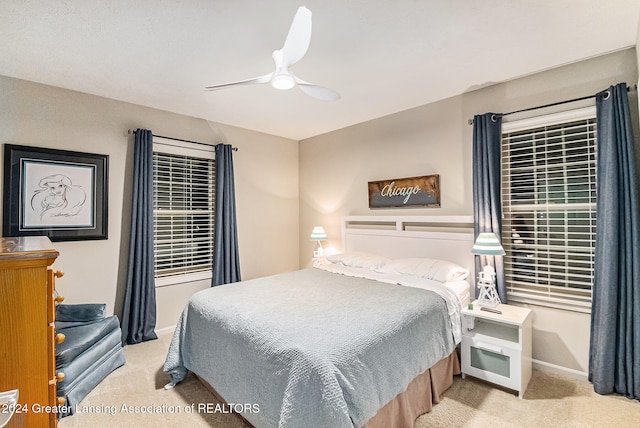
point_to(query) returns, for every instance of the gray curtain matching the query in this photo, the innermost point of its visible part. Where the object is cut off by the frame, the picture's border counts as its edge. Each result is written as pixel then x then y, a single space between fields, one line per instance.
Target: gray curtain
pixel 139 309
pixel 487 202
pixel 226 262
pixel 614 357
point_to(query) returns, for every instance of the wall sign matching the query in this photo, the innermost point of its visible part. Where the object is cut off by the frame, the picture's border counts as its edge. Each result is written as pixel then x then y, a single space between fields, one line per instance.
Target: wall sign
pixel 405 192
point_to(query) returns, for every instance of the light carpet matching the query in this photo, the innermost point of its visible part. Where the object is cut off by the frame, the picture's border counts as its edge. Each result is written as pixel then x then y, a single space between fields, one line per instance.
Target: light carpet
pixel 133 396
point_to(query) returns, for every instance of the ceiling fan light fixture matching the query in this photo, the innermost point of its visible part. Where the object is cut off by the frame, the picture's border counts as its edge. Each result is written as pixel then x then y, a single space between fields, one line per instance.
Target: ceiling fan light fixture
pixel 295 47
pixel 283 81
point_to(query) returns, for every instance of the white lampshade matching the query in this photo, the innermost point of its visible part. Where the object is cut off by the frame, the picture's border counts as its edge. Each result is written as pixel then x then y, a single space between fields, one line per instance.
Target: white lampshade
pixel 487 244
pixel 318 234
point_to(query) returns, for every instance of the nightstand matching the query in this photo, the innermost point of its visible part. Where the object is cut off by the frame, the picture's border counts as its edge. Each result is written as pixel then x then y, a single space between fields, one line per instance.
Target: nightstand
pixel 497 347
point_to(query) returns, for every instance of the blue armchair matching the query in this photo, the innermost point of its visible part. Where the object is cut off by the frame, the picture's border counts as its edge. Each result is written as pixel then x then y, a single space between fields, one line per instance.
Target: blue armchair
pixel 91 350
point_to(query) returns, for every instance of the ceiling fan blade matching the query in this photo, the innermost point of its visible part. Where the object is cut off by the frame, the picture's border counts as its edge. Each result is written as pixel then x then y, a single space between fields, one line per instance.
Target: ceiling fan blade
pixel 319 92
pixel 298 38
pixel 262 79
pixel 315 91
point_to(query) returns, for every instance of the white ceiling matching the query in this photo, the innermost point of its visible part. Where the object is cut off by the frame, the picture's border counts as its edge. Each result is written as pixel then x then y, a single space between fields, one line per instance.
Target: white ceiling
pixel 382 56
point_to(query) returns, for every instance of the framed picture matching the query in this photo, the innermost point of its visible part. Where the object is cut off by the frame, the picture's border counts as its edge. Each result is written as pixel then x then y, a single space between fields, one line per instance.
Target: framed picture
pixel 55 193
pixel 414 192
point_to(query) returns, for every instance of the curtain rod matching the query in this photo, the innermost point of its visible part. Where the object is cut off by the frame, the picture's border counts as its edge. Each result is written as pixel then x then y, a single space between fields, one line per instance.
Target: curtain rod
pixel 553 104
pixel 132 132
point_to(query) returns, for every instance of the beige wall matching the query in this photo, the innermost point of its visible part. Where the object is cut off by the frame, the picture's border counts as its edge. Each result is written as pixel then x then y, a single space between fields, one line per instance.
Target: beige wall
pixel 436 139
pixel 266 171
pixel 335 167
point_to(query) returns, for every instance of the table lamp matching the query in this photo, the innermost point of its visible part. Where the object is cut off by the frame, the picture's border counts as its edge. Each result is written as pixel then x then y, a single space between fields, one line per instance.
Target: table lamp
pixel 318 234
pixel 487 244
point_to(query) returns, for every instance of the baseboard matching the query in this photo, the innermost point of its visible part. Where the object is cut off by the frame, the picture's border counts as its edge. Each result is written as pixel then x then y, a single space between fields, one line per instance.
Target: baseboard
pixel 166 330
pixel 564 371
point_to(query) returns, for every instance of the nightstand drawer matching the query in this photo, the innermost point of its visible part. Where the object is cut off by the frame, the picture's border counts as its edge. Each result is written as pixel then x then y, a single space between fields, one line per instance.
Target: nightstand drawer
pixel 492 362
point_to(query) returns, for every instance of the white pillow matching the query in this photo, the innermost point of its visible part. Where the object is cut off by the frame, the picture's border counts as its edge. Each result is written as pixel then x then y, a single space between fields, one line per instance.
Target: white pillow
pixel 437 270
pixel 359 259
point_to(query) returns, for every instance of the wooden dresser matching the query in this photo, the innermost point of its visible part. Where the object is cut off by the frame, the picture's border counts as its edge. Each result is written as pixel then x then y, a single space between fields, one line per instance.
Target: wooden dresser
pixel 27 331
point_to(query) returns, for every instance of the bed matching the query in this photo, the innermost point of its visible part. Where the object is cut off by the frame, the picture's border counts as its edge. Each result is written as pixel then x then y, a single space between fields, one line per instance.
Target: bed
pixel 366 339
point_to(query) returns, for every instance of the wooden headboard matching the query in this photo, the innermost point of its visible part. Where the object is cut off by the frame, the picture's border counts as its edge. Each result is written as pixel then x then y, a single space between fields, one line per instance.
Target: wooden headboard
pixel 436 237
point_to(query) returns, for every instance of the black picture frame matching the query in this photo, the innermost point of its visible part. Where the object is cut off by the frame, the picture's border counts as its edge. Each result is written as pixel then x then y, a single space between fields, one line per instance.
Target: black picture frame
pixel 56 193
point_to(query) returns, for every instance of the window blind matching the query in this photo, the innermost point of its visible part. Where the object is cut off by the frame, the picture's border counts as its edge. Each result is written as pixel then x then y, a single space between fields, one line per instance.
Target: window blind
pixel 549 212
pixel 184 202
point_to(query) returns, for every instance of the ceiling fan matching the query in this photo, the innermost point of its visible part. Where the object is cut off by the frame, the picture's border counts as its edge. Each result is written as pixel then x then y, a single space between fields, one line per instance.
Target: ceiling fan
pixel 295 47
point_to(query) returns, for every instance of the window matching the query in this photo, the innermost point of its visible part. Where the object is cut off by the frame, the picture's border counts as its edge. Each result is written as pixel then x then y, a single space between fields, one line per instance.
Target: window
pixel 549 209
pixel 183 213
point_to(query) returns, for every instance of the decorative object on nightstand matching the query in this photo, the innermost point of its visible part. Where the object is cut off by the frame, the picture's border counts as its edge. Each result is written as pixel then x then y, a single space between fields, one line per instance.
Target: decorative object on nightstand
pixel 487 244
pixel 318 234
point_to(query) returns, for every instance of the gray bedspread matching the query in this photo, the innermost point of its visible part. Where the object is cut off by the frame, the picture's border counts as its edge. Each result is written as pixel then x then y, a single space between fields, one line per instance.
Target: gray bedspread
pixel 310 348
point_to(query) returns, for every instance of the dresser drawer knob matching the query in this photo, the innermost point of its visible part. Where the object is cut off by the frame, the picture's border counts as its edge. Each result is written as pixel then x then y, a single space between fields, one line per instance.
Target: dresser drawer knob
pixel 60 338
pixel 62 401
pixel 59 298
pixel 59 273
pixel 60 376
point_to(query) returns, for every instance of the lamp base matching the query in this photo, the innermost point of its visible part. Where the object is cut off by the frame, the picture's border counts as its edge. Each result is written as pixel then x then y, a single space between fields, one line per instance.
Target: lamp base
pixel 488 296
pixel 319 252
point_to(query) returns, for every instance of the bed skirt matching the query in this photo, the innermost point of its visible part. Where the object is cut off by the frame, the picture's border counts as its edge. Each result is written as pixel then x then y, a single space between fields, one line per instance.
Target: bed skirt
pixel 421 395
